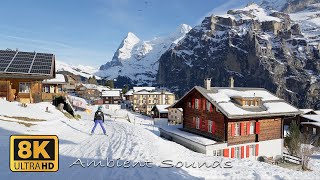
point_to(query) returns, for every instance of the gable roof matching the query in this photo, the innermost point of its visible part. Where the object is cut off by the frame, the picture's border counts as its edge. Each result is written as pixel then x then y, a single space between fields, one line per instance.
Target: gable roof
pixel 111 93
pixel 161 108
pixel 59 79
pixel 221 98
pixel 28 64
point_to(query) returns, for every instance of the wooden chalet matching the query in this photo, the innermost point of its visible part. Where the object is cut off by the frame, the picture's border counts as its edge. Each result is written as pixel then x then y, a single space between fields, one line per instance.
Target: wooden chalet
pixel 243 122
pixel 22 73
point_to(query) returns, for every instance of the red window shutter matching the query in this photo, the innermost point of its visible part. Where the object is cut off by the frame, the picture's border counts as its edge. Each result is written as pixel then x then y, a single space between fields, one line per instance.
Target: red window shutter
pixel 232 129
pixel 242 129
pixel 248 151
pixel 248 128
pixel 226 152
pixel 194 122
pixel 211 108
pixel 257 127
pixel 199 103
pixel 232 152
pixel 204 104
pixel 213 127
pixel 257 149
pixel 192 103
pixel 242 152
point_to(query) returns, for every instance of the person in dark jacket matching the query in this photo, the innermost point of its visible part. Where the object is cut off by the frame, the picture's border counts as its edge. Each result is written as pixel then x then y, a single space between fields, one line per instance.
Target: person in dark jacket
pixel 98 119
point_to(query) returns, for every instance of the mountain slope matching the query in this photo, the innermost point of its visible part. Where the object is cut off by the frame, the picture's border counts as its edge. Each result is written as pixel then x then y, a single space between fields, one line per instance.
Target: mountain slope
pixel 260 48
pixel 84 71
pixel 138 59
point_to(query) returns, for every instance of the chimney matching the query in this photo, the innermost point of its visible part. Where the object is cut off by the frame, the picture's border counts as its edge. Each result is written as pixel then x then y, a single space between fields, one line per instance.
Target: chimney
pixel 207 84
pixel 231 82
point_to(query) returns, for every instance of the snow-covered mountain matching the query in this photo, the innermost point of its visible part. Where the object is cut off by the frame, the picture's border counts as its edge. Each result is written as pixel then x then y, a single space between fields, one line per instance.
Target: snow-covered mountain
pixel 138 59
pixel 259 47
pixel 84 71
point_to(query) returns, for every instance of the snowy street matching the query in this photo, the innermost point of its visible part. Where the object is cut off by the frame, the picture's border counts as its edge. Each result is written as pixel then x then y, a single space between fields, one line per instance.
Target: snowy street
pixel 124 141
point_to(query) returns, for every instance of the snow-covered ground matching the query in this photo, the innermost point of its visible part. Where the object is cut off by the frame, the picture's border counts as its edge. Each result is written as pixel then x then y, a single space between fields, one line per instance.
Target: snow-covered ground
pixel 135 142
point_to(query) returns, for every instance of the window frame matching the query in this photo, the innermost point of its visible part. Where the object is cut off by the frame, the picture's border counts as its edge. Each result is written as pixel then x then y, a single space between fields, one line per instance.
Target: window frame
pixel 252 150
pixel 237 152
pixel 236 129
pixel 196 103
pixel 197 123
pixel 252 127
pixel 210 126
pixel 208 105
pixel 25 84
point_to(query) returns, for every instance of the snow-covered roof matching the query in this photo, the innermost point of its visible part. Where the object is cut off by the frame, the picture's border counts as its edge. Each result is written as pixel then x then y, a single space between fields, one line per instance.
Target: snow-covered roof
pixel 152 92
pixel 60 79
pixel 97 87
pixel 136 89
pixel 111 93
pixel 305 111
pixel 311 123
pixel 312 117
pixel 223 99
pixel 129 93
pixel 162 108
pixel 317 112
pixel 190 136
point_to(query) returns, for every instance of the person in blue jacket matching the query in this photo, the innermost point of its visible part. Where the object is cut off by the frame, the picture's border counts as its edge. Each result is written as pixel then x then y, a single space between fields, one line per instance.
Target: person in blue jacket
pixel 98 119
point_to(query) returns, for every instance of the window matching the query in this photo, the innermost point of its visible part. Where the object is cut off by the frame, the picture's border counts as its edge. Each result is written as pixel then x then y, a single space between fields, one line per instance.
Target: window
pixel 24 87
pixel 237 152
pixel 236 129
pixel 175 111
pixel 246 103
pixel 196 103
pixel 252 127
pixel 189 104
pixel 252 150
pixel 197 123
pixel 208 105
pixel 314 131
pixel 209 126
pixel 46 89
pixel 217 152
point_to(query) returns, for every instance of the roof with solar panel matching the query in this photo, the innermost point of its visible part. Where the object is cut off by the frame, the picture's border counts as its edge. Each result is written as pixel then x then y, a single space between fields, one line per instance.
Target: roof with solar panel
pixel 31 64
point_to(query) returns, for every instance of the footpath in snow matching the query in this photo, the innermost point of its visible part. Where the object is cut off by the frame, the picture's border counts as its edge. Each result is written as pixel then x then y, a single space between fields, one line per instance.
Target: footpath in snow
pixel 134 142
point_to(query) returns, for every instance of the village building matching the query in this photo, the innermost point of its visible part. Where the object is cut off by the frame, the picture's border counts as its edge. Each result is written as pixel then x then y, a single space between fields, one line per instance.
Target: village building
pixel 160 111
pixel 22 74
pixel 52 88
pixel 144 100
pixel 175 115
pixel 112 96
pixel 233 122
pixel 310 124
pixel 91 92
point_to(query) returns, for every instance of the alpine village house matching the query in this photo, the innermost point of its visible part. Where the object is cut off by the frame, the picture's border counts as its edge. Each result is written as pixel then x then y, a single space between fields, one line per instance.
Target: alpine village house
pixel 22 75
pixel 242 122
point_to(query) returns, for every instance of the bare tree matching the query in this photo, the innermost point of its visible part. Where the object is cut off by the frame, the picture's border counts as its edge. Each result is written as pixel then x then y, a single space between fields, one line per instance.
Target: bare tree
pixel 306 150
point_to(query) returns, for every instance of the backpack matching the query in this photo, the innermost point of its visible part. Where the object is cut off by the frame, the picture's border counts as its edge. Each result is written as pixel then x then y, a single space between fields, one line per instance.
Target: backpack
pixel 99 116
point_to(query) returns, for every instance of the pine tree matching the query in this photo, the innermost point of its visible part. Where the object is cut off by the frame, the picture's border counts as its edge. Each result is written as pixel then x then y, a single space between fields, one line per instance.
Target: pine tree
pixel 293 139
pixel 125 89
pixel 110 83
pixel 92 80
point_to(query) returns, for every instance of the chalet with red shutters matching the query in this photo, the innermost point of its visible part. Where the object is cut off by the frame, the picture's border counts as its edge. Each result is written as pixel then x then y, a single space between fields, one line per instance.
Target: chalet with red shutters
pixel 233 122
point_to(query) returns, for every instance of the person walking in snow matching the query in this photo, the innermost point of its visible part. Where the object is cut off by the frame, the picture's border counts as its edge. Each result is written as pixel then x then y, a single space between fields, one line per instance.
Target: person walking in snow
pixel 98 119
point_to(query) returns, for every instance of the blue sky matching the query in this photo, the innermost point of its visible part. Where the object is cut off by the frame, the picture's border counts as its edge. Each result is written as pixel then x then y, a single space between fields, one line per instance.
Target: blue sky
pixel 88 32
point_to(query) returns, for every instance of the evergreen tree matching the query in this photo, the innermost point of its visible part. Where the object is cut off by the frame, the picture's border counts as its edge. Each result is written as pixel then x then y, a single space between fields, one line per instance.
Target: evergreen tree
pixel 110 83
pixel 292 140
pixel 92 80
pixel 125 89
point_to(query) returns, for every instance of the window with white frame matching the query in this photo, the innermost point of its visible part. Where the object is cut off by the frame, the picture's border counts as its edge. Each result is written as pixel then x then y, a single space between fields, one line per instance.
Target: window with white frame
pixel 196 103
pixel 208 105
pixel 237 152
pixel 217 152
pixel 252 150
pixel 237 129
pixel 314 131
pixel 197 123
pixel 189 104
pixel 209 126
pixel 24 87
pixel 252 123
pixel 46 89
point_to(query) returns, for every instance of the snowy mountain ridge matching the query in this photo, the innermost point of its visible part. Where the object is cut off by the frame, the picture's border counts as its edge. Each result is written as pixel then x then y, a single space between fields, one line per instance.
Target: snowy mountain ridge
pixel 259 47
pixel 138 59
pixel 84 71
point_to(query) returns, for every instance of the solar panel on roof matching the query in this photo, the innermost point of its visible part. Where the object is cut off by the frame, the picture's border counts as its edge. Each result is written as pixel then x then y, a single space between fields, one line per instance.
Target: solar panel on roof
pixel 25 62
